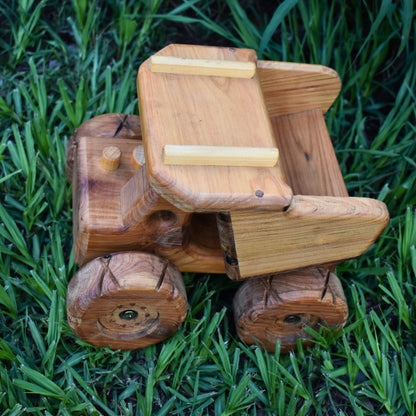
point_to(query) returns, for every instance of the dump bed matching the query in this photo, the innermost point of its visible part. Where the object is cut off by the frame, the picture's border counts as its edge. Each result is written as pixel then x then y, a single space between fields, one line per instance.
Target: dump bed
pixel 219 106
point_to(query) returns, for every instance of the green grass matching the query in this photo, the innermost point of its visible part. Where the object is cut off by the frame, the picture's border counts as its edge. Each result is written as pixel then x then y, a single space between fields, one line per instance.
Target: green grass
pixel 64 62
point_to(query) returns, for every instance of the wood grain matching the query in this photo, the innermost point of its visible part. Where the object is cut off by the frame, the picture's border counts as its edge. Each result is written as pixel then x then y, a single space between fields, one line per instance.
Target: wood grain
pixel 312 231
pixel 278 308
pixel 201 252
pixel 308 147
pixel 141 203
pixel 290 87
pixel 213 111
pixel 308 158
pixel 126 301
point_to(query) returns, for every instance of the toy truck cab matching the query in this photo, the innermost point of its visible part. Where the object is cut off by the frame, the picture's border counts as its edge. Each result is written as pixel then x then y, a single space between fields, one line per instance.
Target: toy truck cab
pixel 231 171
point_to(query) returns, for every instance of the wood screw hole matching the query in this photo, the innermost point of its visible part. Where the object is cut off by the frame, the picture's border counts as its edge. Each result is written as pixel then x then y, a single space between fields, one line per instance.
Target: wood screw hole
pixel 167 216
pixel 292 319
pixel 128 315
pixel 231 261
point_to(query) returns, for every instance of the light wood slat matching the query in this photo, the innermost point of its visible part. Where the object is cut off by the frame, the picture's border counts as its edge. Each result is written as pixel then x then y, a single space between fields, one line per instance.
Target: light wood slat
pixel 206 67
pixel 220 155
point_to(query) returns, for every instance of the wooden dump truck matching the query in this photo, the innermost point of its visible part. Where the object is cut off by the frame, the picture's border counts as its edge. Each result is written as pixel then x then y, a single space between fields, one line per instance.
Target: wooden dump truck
pixel 230 169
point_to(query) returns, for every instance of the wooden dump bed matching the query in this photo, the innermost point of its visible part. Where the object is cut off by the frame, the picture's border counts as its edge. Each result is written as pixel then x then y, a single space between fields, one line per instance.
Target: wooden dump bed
pixel 193 109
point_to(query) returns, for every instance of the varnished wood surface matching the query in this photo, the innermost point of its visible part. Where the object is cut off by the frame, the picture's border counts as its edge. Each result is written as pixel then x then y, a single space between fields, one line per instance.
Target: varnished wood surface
pixel 137 204
pixel 279 307
pixel 307 157
pixel 126 301
pixel 308 147
pixel 118 210
pixel 312 231
pixel 201 110
pixel 309 165
pixel 98 224
pixel 291 87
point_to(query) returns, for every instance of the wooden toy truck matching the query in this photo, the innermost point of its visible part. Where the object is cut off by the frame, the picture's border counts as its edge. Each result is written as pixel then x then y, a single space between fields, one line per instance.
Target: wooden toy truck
pixel 230 169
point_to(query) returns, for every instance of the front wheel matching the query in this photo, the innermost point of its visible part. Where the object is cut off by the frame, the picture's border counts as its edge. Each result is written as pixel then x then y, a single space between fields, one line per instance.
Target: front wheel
pixel 126 301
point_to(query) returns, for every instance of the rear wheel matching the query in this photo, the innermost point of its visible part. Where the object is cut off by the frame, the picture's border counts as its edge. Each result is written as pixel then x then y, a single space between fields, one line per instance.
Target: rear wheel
pixel 278 308
pixel 126 301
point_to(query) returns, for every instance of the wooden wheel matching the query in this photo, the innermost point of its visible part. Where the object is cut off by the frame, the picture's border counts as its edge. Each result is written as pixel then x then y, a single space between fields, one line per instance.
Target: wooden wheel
pixel 106 125
pixel 126 301
pixel 278 308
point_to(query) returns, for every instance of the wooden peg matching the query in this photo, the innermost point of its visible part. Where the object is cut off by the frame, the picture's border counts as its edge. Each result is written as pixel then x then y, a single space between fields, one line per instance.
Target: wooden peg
pixel 110 158
pixel 207 67
pixel 121 126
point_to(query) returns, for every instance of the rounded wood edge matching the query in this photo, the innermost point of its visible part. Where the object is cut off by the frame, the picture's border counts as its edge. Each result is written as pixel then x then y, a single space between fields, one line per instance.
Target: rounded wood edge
pixel 294 66
pixel 304 86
